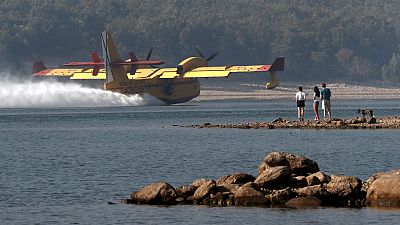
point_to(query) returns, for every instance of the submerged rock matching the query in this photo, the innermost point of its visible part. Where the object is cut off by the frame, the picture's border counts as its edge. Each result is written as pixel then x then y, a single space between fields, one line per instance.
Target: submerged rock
pixel 303 202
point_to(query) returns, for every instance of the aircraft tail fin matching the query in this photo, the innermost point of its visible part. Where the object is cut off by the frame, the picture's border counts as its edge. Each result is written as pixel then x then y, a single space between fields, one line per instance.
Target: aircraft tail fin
pixel 278 64
pixel 114 71
pixel 95 57
pixel 133 57
pixel 37 67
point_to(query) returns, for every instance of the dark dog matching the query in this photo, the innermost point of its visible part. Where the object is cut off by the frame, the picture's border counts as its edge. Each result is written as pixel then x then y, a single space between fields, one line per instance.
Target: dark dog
pixel 364 112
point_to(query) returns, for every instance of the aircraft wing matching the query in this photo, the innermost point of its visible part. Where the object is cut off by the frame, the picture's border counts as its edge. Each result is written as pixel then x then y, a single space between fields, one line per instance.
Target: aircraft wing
pixel 215 71
pixel 75 73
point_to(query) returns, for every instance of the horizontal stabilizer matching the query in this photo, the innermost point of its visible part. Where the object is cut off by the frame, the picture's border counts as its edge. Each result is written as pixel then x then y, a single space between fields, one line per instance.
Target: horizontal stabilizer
pixel 38 66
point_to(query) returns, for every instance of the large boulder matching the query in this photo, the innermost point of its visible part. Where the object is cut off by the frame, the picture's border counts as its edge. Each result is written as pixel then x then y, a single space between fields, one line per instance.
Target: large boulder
pixel 159 193
pixel 204 190
pixel 385 190
pixel 236 178
pixel 299 165
pixel 247 195
pixel 274 177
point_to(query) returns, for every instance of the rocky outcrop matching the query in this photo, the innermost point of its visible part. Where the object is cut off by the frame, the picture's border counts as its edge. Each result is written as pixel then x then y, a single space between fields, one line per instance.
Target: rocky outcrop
pixel 284 179
pixel 384 189
pixel 159 193
pixel 279 123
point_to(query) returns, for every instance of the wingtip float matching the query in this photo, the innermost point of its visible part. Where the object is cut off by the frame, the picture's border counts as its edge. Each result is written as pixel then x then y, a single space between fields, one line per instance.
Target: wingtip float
pixel 134 76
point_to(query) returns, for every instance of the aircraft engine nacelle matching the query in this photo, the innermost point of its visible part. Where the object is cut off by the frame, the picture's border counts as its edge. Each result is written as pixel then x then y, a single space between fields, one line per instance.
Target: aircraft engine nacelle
pixel 190 64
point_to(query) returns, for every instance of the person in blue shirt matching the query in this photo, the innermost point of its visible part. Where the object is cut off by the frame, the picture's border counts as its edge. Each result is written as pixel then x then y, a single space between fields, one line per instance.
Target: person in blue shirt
pixel 326 101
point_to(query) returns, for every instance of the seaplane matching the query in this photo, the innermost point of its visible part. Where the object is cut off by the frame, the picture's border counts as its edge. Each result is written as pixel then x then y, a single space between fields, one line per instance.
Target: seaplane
pixel 171 85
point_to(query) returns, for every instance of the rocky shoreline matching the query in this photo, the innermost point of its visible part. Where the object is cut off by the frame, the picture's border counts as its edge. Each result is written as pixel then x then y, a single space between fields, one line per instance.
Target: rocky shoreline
pixel 284 180
pixel 279 123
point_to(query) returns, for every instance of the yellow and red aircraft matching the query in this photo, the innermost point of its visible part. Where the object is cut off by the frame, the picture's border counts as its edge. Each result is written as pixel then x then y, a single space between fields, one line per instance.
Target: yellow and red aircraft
pixel 171 85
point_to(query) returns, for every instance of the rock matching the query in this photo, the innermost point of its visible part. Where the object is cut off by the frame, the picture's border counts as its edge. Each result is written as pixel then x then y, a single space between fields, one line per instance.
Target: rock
pixel 358 120
pixel 303 202
pixel 261 168
pixel 232 188
pixel 247 195
pixel 366 184
pixel 384 191
pixel 344 186
pixel 315 190
pixel 345 191
pixel 371 120
pixel 157 193
pixel 204 190
pixel 317 178
pixel 280 197
pixel 236 178
pixel 274 177
pixel 278 120
pixel 197 183
pixel 184 193
pixel 299 182
pixel 299 165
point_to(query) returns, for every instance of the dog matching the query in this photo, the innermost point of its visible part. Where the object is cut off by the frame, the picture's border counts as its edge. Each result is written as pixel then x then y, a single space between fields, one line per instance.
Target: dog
pixel 364 112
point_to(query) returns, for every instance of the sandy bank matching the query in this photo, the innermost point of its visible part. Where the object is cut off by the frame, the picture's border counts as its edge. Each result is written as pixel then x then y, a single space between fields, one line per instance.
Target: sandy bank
pixel 287 91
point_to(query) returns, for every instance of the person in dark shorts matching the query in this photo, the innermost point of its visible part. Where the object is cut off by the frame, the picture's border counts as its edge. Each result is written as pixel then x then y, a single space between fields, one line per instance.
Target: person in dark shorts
pixel 317 95
pixel 300 101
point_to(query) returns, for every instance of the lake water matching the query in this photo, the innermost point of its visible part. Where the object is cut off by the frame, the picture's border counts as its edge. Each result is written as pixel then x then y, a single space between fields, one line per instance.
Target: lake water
pixel 62 165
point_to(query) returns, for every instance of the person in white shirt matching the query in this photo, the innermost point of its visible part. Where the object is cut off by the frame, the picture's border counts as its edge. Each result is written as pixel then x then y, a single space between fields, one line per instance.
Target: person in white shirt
pixel 300 100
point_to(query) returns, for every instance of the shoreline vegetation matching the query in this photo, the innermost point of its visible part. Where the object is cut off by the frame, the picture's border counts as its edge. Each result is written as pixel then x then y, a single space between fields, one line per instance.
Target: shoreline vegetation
pixel 339 91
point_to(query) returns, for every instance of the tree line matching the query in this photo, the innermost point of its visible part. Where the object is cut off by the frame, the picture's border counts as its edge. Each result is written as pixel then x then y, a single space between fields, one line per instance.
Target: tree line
pixel 334 40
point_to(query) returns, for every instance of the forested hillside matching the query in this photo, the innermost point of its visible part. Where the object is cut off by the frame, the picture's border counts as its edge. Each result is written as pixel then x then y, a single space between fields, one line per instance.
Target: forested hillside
pixel 322 40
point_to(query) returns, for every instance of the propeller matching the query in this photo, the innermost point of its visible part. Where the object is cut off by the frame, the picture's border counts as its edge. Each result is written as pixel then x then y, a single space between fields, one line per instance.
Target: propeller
pixel 202 55
pixel 149 54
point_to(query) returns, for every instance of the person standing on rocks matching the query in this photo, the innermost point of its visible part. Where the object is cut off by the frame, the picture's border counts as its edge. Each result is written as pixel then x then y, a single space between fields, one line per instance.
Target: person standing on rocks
pixel 317 95
pixel 300 101
pixel 326 101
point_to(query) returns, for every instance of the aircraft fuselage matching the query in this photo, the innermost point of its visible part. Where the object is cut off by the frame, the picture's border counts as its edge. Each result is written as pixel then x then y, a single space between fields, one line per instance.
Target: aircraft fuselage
pixel 170 91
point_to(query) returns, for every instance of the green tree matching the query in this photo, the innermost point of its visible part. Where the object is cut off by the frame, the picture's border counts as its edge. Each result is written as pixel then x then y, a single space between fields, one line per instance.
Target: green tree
pixel 391 71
